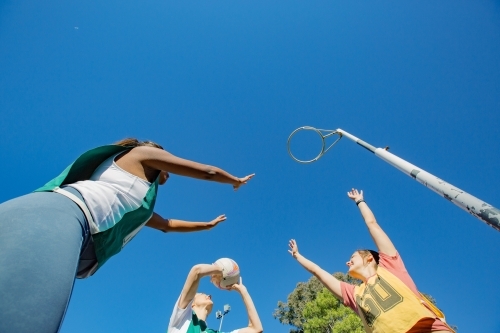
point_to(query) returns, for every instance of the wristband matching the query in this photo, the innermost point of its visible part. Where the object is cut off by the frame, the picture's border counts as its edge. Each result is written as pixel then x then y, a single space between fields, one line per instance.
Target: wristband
pixel 359 201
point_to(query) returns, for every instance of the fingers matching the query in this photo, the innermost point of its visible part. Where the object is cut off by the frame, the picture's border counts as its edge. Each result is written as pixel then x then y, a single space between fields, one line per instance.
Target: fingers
pixel 354 193
pixel 243 181
pixel 237 286
pixel 217 220
pixel 292 244
pixel 247 178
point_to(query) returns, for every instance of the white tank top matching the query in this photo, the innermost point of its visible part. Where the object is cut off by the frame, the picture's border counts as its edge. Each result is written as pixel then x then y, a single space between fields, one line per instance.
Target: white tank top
pixel 111 192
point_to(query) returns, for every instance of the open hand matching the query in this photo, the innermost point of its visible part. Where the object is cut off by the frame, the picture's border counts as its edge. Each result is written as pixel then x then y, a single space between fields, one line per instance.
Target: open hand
pixel 243 181
pixel 217 220
pixel 355 195
pixel 294 249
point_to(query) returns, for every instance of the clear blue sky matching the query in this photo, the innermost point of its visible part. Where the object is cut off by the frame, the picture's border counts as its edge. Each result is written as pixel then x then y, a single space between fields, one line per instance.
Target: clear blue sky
pixel 224 83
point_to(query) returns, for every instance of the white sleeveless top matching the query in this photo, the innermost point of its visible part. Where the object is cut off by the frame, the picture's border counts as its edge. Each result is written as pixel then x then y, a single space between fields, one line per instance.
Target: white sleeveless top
pixel 111 192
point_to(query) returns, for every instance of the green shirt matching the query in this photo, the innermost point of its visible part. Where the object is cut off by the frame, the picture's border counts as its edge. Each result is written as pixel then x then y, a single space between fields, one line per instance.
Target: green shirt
pixel 186 321
pixel 198 326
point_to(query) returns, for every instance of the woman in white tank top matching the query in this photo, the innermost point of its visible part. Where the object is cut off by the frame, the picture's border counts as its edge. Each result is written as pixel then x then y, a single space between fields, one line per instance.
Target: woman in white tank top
pixel 108 195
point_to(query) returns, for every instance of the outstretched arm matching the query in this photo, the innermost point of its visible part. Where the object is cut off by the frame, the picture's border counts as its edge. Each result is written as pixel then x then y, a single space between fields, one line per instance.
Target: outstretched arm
pixel 382 241
pixel 193 281
pixel 160 159
pixel 171 225
pixel 327 279
pixel 254 324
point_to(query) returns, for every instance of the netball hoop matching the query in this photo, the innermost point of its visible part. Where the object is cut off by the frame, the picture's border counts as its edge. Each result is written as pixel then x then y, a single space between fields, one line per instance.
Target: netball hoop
pixel 472 205
pixel 323 134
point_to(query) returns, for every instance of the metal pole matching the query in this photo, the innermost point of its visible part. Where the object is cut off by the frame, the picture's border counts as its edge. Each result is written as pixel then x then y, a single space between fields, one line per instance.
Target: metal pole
pixel 220 326
pixel 475 206
pixel 221 315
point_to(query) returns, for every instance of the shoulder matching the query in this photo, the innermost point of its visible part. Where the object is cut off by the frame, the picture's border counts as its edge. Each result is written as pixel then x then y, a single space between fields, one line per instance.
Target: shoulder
pixel 147 150
pixel 391 262
pixel 180 316
pixel 348 294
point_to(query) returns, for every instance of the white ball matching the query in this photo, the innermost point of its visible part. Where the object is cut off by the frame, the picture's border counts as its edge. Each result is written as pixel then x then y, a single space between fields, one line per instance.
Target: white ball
pixel 230 272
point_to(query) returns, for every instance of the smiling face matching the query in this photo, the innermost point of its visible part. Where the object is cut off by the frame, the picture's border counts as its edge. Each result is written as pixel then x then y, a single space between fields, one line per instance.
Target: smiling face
pixel 203 300
pixel 355 264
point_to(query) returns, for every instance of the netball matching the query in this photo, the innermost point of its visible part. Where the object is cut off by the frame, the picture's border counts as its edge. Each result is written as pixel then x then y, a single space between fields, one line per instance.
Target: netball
pixel 230 273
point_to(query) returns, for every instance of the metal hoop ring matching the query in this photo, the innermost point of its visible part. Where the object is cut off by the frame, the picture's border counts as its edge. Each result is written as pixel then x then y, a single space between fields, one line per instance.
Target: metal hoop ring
pixel 318 131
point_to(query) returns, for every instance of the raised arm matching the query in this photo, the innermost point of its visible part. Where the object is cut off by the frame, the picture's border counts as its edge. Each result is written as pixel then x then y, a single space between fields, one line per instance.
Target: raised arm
pixel 172 225
pixel 382 241
pixel 327 279
pixel 254 324
pixel 160 159
pixel 193 281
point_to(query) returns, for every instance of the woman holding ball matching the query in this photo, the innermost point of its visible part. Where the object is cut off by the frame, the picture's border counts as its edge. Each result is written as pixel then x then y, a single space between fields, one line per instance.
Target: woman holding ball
pixel 192 308
pixel 387 300
pixel 76 222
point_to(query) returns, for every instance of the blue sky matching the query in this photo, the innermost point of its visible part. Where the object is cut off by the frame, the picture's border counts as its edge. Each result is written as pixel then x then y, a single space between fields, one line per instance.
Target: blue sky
pixel 225 83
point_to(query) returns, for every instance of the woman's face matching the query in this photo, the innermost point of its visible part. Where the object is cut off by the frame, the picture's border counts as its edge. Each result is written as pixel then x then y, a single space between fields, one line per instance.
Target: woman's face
pixel 205 300
pixel 355 263
pixel 163 177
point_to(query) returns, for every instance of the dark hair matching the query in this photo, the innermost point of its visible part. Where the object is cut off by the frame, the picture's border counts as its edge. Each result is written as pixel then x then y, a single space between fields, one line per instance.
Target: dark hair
pixel 364 253
pixel 133 142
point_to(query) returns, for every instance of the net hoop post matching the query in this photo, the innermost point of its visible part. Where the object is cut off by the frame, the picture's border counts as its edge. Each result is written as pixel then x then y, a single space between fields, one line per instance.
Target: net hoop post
pixel 321 135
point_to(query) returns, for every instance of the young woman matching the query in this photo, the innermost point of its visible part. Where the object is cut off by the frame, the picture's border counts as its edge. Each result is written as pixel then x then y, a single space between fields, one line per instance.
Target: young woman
pixel 76 222
pixel 192 308
pixel 387 300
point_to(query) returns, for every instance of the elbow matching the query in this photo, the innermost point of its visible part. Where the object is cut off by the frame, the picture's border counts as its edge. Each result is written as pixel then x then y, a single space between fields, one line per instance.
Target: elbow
pixel 195 271
pixel 210 172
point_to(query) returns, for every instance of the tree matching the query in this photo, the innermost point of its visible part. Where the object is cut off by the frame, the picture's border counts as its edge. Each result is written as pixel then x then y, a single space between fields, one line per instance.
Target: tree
pixel 326 314
pixel 292 312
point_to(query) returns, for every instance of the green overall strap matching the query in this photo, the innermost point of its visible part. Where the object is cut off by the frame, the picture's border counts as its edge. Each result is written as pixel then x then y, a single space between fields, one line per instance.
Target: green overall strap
pixel 83 167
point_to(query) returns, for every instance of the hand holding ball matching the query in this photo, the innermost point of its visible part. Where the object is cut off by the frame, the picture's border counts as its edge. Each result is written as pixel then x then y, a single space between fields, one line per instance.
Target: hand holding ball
pixel 230 273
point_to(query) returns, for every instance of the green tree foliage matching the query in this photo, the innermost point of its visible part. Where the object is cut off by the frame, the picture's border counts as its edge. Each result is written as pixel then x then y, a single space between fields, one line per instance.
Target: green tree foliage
pixel 292 312
pixel 326 314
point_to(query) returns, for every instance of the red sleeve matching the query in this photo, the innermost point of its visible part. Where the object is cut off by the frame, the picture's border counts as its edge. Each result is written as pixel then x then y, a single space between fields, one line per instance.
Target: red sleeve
pixel 348 295
pixel 392 263
pixel 395 265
